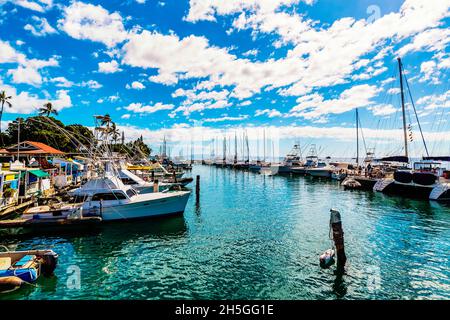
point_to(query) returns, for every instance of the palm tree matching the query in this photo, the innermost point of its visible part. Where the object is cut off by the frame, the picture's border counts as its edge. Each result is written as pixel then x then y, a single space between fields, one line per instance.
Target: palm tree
pixel 106 120
pixel 3 99
pixel 47 109
pixel 115 132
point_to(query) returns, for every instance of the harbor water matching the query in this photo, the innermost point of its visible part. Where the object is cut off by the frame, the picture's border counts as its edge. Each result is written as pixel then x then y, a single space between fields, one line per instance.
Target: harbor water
pixel 255 237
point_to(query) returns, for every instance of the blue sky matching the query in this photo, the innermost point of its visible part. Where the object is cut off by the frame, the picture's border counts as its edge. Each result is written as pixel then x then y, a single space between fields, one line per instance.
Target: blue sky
pixel 202 69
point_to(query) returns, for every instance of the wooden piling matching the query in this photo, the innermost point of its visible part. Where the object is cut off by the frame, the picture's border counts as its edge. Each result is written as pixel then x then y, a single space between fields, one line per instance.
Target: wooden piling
pixel 197 189
pixel 155 185
pixel 153 175
pixel 174 176
pixel 338 238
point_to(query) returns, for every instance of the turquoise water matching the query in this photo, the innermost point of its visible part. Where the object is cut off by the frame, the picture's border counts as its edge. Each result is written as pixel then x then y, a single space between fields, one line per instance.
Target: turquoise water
pixel 255 237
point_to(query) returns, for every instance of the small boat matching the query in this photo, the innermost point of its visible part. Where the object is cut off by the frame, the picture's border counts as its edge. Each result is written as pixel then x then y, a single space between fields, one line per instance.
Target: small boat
pixel 25 267
pixel 351 184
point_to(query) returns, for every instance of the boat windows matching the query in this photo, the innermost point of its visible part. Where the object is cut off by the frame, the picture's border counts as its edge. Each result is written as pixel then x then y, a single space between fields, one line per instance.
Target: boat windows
pixel 131 193
pixel 107 196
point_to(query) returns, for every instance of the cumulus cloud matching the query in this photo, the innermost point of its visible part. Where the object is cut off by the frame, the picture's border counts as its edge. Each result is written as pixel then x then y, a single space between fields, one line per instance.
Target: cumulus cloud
pixel 271 113
pixel 40 28
pixel 108 67
pixel 140 108
pixel 91 22
pixel 24 102
pixel 315 105
pixel 136 85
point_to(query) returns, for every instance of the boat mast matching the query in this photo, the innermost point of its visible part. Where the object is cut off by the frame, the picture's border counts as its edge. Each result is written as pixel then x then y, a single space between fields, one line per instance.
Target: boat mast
pixel 235 147
pixel 264 142
pixel 403 105
pixel 357 137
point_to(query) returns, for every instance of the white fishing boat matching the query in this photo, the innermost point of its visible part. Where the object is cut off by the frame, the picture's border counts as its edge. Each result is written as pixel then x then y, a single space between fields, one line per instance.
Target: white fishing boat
pixel 322 170
pixel 269 170
pixel 109 199
pixel 292 160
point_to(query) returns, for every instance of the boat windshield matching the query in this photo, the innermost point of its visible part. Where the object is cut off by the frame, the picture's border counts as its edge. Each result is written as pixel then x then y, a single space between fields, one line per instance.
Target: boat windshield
pixel 427 166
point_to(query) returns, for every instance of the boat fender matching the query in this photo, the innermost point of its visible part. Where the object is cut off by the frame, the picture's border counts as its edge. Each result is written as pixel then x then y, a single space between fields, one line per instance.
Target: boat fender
pixel 8 284
pixel 327 259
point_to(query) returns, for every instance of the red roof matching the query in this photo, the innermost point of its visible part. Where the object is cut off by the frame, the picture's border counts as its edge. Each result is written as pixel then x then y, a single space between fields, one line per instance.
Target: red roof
pixel 38 148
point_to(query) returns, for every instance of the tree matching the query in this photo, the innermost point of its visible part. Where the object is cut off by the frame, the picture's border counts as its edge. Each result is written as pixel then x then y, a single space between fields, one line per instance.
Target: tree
pixel 115 133
pixel 47 109
pixel 4 99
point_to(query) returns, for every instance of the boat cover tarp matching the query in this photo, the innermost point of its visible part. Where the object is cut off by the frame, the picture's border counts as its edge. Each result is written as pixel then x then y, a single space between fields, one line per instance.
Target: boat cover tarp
pixel 444 158
pixel 395 159
pixel 39 173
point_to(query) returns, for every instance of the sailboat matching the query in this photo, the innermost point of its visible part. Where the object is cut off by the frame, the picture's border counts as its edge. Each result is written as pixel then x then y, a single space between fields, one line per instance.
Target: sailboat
pixel 428 178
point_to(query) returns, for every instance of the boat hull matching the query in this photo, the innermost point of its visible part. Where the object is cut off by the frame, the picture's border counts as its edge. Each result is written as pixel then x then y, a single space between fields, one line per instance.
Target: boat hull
pixel 142 209
pixel 365 182
pixel 414 191
pixel 319 173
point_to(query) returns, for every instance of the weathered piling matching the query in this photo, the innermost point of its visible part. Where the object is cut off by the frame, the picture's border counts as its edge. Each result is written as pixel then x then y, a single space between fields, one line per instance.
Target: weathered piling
pixel 155 185
pixel 197 189
pixel 338 238
pixel 175 176
pixel 153 175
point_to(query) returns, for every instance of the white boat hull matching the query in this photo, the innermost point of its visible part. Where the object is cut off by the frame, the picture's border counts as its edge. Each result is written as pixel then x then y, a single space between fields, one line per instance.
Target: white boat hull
pixel 176 203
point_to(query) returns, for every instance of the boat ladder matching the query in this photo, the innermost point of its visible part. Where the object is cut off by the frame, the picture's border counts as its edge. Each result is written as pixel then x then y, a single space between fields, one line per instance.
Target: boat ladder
pixel 381 184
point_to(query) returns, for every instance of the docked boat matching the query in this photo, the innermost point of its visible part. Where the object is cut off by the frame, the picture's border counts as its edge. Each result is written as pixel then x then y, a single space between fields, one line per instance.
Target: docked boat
pixel 322 170
pixel 24 267
pixel 427 180
pixel 292 160
pixel 142 186
pixel 110 199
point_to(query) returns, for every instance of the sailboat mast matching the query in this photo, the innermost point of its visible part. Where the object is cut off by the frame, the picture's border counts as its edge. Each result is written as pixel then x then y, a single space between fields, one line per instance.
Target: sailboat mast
pixel 403 105
pixel 264 142
pixel 357 137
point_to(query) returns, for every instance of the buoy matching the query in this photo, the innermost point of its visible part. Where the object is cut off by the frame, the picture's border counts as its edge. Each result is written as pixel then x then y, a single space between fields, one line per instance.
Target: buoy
pixel 327 259
pixel 8 284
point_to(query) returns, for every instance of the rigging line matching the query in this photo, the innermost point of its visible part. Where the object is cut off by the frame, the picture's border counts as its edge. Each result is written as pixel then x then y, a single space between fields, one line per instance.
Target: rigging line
pixel 362 135
pixel 417 117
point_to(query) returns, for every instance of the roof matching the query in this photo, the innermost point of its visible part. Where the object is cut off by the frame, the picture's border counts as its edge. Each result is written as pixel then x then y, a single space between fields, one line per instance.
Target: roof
pixel 39 173
pixel 32 147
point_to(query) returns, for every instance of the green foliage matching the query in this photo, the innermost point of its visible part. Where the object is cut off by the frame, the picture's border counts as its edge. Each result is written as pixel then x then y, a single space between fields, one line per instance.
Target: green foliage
pixel 45 129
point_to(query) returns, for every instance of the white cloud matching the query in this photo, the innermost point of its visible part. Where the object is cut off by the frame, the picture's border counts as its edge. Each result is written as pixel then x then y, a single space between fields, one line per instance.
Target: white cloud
pixel 28 72
pixel 125 116
pixel 271 113
pixel 91 84
pixel 108 67
pixel 382 109
pixel 315 106
pixel 140 108
pixel 226 118
pixel 87 21
pixel 429 40
pixel 39 5
pixel 24 102
pixel 136 85
pixel 430 72
pixel 62 82
pixel 40 28
pixel 435 101
pixel 394 91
